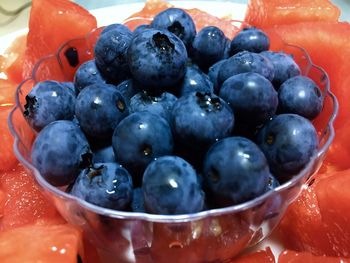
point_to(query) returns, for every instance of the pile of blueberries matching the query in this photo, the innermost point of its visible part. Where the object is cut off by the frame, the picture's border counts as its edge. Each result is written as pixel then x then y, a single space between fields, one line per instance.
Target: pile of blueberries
pixel 166 120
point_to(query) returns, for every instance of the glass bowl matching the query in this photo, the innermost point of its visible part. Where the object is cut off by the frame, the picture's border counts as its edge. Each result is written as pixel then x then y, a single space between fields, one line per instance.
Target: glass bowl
pixel 210 236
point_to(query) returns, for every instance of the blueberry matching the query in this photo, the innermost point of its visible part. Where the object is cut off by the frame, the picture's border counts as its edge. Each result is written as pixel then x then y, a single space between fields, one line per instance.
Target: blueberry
pixel 141 28
pixel 49 101
pixel 208 46
pixel 99 108
pixel 59 152
pixel 111 55
pixel 178 22
pixel 103 155
pixel 107 185
pixel 195 80
pixel 157 60
pixel 119 27
pixel 170 186
pixel 246 62
pixel 128 89
pixel 250 39
pixel 199 119
pixel 288 142
pixel 252 98
pixel 86 75
pixel 213 73
pixel 300 95
pixel 284 65
pixel 138 201
pixel 138 139
pixel 158 105
pixel 235 170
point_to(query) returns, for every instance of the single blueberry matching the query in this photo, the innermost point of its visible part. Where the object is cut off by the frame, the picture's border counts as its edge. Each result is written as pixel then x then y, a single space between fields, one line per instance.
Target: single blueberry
pixel 302 96
pixel 208 47
pixel 86 75
pixel 111 55
pixel 213 73
pixel 284 65
pixel 99 108
pixel 49 101
pixel 158 105
pixel 106 185
pixel 138 139
pixel 246 61
pixel 157 60
pixel 288 142
pixel 170 186
pixel 59 152
pixel 195 80
pixel 119 27
pixel 235 170
pixel 250 39
pixel 251 96
pixel 178 22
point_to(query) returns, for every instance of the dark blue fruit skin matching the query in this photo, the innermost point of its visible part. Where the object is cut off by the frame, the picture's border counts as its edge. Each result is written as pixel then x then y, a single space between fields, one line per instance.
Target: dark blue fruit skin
pixel 272 183
pixel 302 96
pixel 178 22
pixel 106 185
pixel 250 39
pixel 138 139
pixel 49 101
pixel 128 89
pixel 140 29
pixel 159 105
pixel 157 60
pixel 99 108
pixel 208 47
pixel 59 152
pixel 119 27
pixel 103 155
pixel 284 64
pixel 170 187
pixel 246 62
pixel 138 201
pixel 195 80
pixel 288 142
pixel 213 73
pixel 86 75
pixel 235 170
pixel 252 98
pixel 111 55
pixel 199 119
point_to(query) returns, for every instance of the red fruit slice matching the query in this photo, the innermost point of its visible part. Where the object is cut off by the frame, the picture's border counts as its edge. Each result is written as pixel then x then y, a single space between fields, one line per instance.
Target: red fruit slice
pixel 265 14
pixel 51 24
pixel 261 256
pixel 54 244
pixel 7 92
pixel 289 256
pixel 24 202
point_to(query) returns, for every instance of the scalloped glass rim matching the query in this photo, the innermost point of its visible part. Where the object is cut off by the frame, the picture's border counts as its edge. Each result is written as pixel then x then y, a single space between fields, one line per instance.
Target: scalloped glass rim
pixel 304 175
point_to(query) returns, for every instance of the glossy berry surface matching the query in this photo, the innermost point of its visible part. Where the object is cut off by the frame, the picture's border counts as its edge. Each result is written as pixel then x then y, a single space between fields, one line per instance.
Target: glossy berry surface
pixel 213 74
pixel 252 98
pixel 87 74
pixel 49 101
pixel 59 152
pixel 208 46
pixel 128 89
pixel 107 185
pixel 159 105
pixel 111 55
pixel 284 64
pixel 170 186
pixel 235 170
pixel 99 108
pixel 157 59
pixel 288 142
pixel 302 96
pixel 195 80
pixel 243 62
pixel 250 39
pixel 178 22
pixel 138 139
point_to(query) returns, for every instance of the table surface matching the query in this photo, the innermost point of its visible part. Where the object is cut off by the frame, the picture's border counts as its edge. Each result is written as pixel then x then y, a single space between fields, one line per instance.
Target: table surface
pixel 10 24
